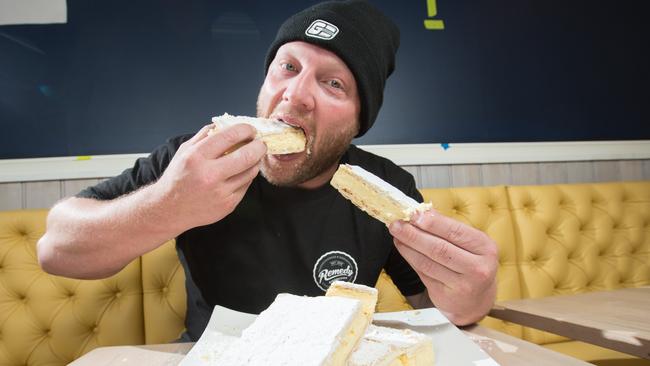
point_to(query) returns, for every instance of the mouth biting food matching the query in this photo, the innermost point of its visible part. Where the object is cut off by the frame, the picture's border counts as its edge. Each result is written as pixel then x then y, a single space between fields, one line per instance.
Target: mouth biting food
pixel 280 138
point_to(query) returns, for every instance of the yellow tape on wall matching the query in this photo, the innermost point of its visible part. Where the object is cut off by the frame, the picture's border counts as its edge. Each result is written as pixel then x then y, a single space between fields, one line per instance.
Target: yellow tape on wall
pixel 432 11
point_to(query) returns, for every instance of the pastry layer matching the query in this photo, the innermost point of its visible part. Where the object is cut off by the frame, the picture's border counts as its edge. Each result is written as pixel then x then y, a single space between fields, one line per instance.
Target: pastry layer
pixel 367 295
pixel 300 330
pixel 373 353
pixel 382 346
pixel 279 137
pixel 375 196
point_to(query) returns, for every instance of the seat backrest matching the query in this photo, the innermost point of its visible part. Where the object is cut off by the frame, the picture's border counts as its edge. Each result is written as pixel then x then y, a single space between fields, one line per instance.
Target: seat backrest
pixel 577 238
pixel 163 281
pixel 50 320
pixel 485 208
pixel 552 240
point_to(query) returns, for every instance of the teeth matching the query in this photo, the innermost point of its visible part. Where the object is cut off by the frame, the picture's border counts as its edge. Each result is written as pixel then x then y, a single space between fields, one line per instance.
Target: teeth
pixel 292 125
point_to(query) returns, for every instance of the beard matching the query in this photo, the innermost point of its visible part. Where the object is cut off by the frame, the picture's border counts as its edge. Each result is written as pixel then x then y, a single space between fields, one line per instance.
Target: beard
pixel 315 160
pixel 321 153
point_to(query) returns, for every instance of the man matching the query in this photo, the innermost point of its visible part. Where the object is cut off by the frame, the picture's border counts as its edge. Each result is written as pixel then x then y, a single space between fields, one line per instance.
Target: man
pixel 250 225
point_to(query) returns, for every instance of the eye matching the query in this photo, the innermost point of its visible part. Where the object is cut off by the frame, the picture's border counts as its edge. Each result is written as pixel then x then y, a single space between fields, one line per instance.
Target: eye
pixel 336 84
pixel 288 66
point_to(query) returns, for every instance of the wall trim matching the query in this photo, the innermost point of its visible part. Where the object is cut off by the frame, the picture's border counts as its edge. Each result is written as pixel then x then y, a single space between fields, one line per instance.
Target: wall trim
pixel 83 167
pixel 512 152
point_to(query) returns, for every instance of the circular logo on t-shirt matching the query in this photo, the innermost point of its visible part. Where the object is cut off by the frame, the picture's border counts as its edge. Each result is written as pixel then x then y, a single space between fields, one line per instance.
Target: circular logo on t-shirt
pixel 334 266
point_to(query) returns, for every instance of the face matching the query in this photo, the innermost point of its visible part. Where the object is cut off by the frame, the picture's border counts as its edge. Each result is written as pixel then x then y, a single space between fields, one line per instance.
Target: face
pixel 311 88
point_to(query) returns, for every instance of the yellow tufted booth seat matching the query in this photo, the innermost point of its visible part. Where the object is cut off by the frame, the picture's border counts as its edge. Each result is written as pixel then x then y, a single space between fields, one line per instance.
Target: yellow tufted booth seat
pixel 47 320
pixel 552 240
pixel 560 239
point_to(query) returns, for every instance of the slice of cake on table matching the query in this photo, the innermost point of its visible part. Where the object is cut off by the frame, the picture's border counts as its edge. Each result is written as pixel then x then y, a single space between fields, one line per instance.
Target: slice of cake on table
pixel 331 330
pixel 300 330
pixel 279 137
pixel 374 195
pixel 382 346
pixel 367 295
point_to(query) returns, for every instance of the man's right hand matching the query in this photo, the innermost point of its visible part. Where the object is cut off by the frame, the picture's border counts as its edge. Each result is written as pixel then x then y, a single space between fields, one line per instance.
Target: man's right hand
pixel 88 238
pixel 203 184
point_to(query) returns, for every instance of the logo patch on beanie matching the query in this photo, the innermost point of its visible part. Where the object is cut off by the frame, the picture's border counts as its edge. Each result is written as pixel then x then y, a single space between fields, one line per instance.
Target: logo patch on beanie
pixel 322 30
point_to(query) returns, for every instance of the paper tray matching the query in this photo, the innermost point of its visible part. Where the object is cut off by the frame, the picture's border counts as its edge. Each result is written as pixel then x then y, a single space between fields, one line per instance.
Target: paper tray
pixel 450 345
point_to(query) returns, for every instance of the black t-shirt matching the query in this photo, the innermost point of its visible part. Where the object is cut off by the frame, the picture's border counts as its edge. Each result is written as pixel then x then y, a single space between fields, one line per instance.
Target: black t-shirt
pixel 277 240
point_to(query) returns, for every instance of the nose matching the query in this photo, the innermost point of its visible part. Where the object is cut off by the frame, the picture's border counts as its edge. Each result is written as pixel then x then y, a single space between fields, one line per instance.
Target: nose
pixel 299 92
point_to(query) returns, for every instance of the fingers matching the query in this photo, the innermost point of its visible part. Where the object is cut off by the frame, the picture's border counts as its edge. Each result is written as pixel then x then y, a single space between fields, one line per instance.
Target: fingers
pixel 242 159
pixel 453 231
pixel 434 287
pixel 200 135
pixel 216 145
pixel 239 192
pixel 433 247
pixel 244 177
pixel 426 267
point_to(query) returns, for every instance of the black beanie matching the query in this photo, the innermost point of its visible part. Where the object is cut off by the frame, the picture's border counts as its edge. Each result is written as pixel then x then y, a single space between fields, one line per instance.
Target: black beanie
pixel 357 32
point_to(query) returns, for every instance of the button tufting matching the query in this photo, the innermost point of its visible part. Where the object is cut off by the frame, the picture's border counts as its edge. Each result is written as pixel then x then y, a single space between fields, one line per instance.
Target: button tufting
pixel 165 289
pixel 96 329
pixel 118 294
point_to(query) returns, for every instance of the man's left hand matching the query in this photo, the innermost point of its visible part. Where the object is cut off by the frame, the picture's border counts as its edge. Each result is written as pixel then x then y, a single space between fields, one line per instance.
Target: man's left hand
pixel 456 262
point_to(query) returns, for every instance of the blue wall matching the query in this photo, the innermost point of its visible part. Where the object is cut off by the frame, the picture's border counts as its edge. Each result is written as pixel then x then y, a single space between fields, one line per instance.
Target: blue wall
pixel 122 76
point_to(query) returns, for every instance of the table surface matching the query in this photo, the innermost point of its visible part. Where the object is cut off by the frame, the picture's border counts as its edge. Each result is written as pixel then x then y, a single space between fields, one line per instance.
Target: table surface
pixel 616 319
pixel 504 349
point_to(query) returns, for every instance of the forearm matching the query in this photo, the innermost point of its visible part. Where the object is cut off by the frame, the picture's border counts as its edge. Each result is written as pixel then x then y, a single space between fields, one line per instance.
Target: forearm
pixel 201 185
pixel 87 238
